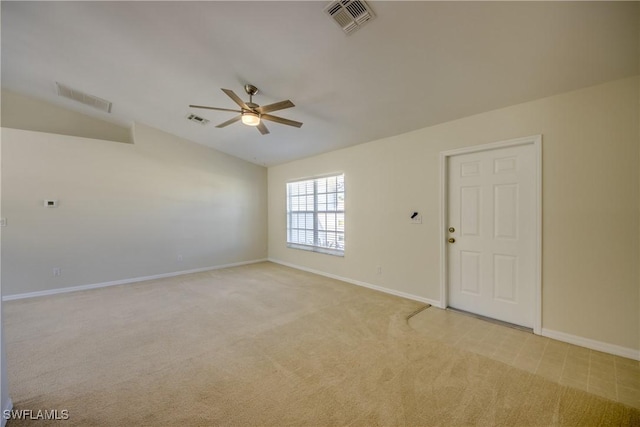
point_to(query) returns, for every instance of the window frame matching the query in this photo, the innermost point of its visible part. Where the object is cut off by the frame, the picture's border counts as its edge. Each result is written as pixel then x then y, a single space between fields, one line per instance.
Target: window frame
pixel 315 212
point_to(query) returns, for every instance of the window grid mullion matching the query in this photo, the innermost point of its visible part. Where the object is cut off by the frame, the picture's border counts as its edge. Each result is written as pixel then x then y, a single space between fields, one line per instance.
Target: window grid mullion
pixel 315 212
pixel 289 212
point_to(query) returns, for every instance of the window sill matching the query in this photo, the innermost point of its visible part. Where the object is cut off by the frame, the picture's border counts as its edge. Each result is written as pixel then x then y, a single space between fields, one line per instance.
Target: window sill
pixel 326 251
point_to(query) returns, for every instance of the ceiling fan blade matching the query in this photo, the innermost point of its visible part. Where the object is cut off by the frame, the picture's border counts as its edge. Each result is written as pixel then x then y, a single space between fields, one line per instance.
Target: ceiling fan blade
pixel 214 108
pixel 230 121
pixel 275 107
pixel 262 128
pixel 231 94
pixel 281 120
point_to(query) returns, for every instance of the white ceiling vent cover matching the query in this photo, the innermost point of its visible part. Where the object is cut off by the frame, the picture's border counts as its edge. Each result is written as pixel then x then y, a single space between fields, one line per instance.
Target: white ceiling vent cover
pixel 84 98
pixel 350 15
pixel 197 119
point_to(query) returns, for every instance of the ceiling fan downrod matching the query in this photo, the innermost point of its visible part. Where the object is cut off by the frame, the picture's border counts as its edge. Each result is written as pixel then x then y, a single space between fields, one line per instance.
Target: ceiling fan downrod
pixel 251 90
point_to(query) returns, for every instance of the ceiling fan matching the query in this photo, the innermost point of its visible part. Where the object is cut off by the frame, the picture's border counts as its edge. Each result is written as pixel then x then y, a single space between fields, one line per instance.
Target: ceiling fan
pixel 251 113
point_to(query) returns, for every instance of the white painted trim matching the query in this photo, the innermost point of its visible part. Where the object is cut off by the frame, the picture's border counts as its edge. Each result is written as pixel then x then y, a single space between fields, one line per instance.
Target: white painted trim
pixel 536 141
pixel 8 406
pixel 629 353
pixel 537 294
pixel 359 283
pixel 444 202
pixel 124 281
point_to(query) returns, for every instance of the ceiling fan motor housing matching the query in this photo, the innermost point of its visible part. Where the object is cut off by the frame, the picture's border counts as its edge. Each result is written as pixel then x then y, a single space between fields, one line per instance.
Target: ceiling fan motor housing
pixel 250 89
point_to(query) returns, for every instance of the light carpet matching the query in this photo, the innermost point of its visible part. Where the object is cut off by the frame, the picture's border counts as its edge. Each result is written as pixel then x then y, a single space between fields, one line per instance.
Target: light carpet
pixel 265 345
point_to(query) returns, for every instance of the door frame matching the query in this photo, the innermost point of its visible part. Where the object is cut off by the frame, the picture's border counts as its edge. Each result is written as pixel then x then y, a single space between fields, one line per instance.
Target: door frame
pixel 536 142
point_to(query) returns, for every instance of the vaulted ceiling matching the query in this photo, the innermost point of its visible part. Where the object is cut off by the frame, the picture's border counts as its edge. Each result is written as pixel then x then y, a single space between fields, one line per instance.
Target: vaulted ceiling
pixel 416 64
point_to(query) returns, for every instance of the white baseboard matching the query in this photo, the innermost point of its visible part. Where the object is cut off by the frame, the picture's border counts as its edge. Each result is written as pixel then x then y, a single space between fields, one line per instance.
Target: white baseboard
pixel 359 283
pixel 8 406
pixel 629 353
pixel 560 336
pixel 124 281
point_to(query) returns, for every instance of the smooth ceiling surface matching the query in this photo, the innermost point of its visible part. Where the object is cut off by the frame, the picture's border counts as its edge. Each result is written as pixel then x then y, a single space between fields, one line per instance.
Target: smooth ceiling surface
pixel 415 65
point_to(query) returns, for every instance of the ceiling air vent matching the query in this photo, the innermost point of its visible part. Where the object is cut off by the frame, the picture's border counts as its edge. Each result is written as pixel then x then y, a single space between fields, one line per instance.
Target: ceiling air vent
pixel 84 98
pixel 197 119
pixel 350 15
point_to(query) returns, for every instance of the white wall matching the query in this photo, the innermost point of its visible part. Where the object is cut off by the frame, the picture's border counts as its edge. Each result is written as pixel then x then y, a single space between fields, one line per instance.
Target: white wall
pixel 125 210
pixel 5 400
pixel 590 207
pixel 639 187
pixel 4 381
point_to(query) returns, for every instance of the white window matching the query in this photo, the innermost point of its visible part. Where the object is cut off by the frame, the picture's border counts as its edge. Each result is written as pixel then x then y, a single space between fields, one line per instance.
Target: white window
pixel 315 215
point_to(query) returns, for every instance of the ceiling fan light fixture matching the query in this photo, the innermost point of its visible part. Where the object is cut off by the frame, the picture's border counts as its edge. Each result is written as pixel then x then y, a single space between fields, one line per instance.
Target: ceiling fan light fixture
pixel 250 119
pixel 252 114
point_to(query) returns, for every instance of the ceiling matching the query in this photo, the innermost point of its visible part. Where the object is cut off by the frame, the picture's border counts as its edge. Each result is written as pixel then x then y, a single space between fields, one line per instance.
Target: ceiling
pixel 415 65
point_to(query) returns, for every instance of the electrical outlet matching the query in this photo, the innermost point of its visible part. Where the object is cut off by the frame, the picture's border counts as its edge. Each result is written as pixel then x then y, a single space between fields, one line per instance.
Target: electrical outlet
pixel 3 222
pixel 179 258
pixel 379 270
pixel 57 271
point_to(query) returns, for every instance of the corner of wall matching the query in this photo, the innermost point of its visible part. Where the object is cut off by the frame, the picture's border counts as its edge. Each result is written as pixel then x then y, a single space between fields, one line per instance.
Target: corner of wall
pixel 7 406
pixel 4 382
pixel 132 133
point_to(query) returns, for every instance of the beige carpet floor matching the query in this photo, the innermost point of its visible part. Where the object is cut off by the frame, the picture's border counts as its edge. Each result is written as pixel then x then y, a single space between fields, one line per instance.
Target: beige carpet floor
pixel 265 345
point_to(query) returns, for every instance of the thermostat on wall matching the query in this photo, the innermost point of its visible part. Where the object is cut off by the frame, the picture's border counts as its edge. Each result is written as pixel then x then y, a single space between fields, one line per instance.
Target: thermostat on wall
pixel 51 203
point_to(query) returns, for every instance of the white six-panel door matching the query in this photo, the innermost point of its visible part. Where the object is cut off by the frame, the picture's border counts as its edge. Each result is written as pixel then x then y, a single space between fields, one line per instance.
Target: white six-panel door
pixel 491 233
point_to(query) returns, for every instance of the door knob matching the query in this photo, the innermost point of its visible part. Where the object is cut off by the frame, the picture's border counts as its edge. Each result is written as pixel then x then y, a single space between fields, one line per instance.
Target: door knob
pixel 451 240
pixel 451 229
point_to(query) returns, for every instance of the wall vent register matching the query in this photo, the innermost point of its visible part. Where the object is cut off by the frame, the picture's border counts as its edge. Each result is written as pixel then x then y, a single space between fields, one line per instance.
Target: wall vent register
pixel 83 98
